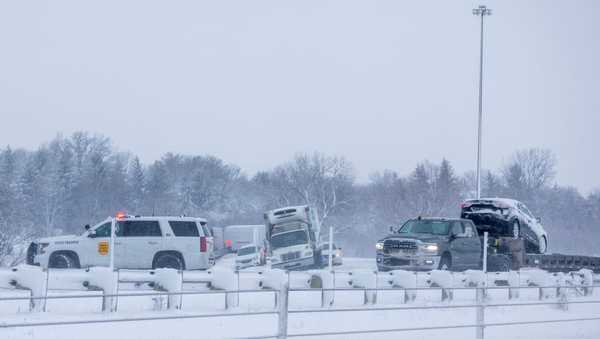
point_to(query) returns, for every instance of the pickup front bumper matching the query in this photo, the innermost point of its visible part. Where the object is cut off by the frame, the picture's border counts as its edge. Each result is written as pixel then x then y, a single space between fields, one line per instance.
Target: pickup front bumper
pixel 386 262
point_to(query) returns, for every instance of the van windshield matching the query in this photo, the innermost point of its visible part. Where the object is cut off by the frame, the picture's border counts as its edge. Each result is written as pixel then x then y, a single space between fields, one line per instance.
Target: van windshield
pixel 289 239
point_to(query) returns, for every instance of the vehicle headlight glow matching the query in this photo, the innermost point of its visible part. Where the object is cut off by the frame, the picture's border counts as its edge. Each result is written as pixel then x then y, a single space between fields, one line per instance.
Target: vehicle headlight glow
pixel 430 247
pixel 379 246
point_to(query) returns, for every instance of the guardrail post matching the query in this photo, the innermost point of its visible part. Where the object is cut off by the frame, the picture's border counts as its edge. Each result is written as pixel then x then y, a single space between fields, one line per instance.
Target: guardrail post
pixel 480 313
pixel 563 302
pixel 283 312
pixel 514 282
pixel 47 270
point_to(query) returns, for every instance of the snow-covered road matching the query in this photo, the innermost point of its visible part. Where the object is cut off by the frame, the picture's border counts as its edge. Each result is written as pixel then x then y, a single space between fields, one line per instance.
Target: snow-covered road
pixel 407 315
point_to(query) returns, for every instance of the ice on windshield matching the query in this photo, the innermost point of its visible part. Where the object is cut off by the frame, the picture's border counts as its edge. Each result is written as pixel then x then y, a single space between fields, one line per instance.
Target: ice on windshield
pixel 289 239
pixel 436 227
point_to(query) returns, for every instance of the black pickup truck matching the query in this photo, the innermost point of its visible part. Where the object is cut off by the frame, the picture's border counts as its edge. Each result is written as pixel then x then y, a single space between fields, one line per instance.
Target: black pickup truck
pixel 435 243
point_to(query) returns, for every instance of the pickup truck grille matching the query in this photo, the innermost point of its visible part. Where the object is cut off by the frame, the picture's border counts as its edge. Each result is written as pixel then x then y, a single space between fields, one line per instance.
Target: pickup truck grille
pixel 290 256
pixel 392 245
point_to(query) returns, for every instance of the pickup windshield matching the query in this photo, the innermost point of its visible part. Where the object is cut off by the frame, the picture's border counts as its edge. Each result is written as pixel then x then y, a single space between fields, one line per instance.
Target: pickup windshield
pixel 289 239
pixel 437 227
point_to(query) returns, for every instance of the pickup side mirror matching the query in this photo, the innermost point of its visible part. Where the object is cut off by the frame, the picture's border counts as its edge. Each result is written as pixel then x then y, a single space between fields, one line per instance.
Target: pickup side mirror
pixel 458 236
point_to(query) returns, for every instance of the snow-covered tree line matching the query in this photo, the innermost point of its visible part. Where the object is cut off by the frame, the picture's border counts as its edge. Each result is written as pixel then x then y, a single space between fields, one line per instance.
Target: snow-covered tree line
pixel 70 182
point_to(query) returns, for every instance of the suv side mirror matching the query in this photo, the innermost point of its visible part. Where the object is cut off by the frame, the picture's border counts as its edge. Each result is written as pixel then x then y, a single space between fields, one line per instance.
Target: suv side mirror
pixel 87 227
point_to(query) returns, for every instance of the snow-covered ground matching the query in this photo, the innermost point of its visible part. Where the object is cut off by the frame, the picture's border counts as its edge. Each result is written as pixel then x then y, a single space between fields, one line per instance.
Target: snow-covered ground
pixel 231 326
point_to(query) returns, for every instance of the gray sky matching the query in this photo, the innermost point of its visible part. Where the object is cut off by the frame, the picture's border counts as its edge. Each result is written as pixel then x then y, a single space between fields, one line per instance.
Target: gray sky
pixel 384 83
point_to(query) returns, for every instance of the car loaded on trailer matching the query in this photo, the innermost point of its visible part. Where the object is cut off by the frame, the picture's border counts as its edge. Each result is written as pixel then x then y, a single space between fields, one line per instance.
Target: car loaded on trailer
pixel 507 218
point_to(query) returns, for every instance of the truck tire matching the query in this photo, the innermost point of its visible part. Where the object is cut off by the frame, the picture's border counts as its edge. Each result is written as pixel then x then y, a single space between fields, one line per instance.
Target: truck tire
pixel 445 263
pixel 168 260
pixel 63 260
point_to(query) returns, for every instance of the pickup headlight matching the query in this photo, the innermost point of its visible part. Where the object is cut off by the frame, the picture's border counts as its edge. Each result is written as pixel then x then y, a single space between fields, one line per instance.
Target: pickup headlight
pixel 379 246
pixel 429 247
pixel 42 247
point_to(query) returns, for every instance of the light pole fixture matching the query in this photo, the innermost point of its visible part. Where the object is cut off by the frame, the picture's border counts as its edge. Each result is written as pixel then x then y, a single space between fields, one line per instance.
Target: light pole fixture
pixel 482 11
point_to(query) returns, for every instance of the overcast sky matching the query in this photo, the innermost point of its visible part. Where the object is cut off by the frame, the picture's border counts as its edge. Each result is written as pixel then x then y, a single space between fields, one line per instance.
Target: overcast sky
pixel 384 83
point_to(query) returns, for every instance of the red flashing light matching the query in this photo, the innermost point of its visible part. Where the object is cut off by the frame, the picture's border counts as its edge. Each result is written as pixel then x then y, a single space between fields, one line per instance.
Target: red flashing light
pixel 228 243
pixel 120 215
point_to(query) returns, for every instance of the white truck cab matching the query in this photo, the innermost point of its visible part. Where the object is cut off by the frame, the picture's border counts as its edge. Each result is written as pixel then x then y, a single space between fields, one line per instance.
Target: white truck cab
pixel 293 237
pixel 140 243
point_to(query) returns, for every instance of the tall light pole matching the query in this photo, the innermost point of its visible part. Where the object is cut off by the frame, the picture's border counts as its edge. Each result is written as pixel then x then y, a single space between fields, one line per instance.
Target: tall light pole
pixel 481 11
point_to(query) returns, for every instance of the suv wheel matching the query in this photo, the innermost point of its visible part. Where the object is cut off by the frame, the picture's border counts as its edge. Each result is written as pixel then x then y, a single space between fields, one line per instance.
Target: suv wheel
pixel 516 230
pixel 445 263
pixel 63 260
pixel 169 260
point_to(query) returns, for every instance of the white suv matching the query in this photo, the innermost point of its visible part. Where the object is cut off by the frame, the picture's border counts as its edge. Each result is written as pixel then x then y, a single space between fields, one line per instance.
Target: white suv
pixel 140 243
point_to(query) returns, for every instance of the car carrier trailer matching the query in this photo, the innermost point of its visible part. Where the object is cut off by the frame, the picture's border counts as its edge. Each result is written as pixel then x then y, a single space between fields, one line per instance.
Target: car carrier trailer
pixel 514 249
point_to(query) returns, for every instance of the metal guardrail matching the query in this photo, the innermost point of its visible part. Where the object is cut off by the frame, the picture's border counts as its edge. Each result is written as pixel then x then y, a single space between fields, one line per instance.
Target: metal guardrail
pixel 282 310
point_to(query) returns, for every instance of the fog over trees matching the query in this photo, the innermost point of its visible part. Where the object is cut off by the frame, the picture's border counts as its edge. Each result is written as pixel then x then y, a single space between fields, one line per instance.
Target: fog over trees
pixel 81 179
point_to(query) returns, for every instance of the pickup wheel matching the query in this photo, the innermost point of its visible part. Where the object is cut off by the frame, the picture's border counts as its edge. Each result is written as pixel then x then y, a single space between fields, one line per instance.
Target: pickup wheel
pixel 168 260
pixel 445 263
pixel 63 260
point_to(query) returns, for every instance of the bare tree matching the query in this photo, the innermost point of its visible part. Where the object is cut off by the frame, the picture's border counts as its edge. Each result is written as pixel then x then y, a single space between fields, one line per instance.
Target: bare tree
pixel 532 168
pixel 318 180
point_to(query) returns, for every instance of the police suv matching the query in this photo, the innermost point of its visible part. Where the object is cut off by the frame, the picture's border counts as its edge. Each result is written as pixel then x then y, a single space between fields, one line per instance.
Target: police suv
pixel 140 243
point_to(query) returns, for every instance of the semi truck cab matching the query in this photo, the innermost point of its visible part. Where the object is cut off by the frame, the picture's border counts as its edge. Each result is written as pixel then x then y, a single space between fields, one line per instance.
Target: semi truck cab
pixel 292 235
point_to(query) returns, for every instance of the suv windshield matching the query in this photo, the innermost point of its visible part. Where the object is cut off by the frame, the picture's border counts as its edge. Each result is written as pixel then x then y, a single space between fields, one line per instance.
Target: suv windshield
pixel 437 227
pixel 289 239
pixel 246 250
